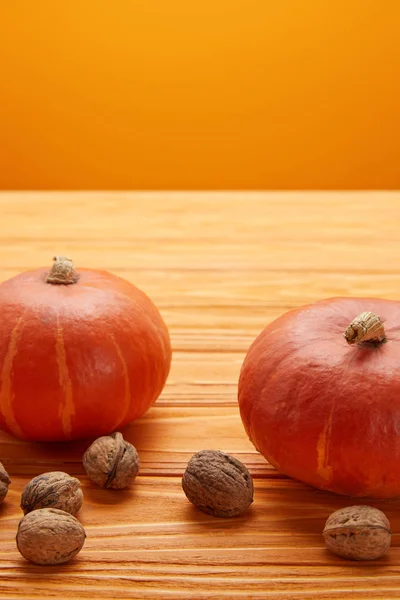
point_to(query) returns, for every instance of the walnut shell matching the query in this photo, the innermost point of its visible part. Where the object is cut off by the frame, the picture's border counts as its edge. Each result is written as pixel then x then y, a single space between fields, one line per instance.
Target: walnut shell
pixel 111 462
pixel 4 483
pixel 49 536
pixel 358 533
pixel 55 489
pixel 218 484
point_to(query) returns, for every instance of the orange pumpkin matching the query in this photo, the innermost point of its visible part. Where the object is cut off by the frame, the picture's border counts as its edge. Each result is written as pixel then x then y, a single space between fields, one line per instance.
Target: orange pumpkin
pixel 324 407
pixel 82 353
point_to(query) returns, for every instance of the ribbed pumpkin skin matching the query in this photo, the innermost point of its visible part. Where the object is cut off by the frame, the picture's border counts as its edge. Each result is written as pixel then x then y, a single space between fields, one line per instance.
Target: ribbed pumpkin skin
pixel 322 411
pixel 77 360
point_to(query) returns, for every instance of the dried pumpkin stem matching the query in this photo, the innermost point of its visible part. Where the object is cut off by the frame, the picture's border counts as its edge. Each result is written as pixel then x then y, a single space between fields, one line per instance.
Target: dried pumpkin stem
pixel 62 272
pixel 367 327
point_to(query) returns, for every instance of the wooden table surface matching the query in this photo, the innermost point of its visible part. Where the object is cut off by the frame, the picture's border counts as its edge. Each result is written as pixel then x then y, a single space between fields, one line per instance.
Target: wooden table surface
pixel 219 267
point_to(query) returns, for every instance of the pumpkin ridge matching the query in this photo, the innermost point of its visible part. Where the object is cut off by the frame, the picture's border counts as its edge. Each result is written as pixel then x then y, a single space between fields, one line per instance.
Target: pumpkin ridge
pixel 324 469
pixel 66 408
pixel 127 399
pixel 159 329
pixel 6 395
pixel 253 424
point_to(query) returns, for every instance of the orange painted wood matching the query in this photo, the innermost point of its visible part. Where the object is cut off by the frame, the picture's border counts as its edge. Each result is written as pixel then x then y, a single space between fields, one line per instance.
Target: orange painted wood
pixel 219 267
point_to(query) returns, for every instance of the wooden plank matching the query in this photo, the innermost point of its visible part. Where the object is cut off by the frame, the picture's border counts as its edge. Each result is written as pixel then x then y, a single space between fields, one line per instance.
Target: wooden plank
pixel 46 216
pixel 166 438
pixel 220 267
pixel 245 231
pixel 268 291
pixel 154 540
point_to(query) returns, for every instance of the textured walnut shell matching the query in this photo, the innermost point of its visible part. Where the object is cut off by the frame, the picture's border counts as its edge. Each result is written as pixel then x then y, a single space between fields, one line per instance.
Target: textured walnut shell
pixel 218 484
pixel 358 533
pixel 49 536
pixel 4 483
pixel 55 490
pixel 111 462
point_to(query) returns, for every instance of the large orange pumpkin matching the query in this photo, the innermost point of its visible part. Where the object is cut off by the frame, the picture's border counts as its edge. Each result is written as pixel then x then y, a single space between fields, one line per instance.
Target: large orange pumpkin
pixel 82 353
pixel 324 407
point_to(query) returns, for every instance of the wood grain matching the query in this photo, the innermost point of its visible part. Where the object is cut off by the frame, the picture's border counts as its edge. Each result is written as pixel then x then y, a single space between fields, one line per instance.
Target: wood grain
pixel 219 267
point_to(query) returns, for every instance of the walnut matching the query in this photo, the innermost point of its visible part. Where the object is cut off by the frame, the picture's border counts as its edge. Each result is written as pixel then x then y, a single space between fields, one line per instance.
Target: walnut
pixel 111 462
pixel 218 484
pixel 358 532
pixel 49 536
pixel 4 483
pixel 56 490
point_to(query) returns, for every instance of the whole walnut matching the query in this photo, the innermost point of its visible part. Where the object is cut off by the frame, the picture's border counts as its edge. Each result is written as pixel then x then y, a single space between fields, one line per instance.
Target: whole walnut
pixel 358 533
pixel 55 489
pixel 218 484
pixel 4 483
pixel 49 536
pixel 111 462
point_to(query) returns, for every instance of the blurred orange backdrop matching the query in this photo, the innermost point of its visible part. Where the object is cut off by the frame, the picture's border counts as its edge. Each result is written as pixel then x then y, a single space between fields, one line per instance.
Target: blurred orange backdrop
pixel 199 94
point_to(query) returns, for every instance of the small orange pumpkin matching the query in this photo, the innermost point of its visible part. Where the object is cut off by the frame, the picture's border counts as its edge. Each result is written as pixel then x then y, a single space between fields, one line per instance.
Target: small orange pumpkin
pixel 324 407
pixel 82 353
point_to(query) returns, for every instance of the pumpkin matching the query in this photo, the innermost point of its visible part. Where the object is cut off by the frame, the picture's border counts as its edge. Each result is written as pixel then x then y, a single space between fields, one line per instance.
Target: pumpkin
pixel 319 395
pixel 82 353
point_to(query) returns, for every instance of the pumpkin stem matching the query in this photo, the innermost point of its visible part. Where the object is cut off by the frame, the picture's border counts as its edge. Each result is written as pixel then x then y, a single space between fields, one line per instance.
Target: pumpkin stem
pixel 62 271
pixel 367 327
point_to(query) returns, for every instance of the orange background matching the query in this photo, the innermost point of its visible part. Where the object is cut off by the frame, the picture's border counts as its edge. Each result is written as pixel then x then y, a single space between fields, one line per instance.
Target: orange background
pixel 199 94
